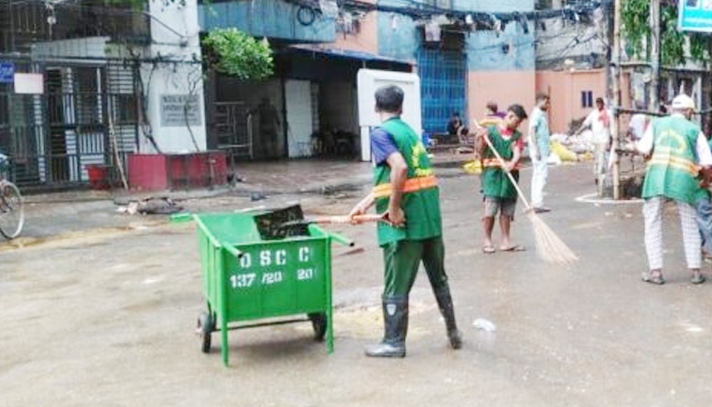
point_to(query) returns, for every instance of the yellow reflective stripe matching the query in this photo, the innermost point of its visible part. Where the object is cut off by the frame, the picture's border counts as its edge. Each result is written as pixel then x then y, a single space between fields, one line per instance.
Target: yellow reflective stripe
pixel 675 162
pixel 493 162
pixel 411 185
pixel 490 121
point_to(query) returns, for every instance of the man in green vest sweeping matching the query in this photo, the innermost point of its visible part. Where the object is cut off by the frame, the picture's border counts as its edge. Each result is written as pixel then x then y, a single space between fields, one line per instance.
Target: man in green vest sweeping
pixel 406 192
pixel 678 149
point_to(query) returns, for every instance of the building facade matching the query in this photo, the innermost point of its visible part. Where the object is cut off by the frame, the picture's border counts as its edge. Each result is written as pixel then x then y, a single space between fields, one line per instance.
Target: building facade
pixel 86 84
pixel 463 61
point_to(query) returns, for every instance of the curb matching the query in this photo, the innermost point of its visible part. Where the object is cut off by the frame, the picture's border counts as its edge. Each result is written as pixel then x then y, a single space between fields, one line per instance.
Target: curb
pixel 452 170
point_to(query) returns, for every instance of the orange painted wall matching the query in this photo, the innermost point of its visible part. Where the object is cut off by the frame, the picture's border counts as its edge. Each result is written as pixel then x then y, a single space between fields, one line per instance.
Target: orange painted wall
pixel 505 88
pixel 564 88
pixel 366 40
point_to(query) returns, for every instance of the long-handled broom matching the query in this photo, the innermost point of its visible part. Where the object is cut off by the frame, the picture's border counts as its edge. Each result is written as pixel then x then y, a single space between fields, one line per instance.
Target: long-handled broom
pixel 549 246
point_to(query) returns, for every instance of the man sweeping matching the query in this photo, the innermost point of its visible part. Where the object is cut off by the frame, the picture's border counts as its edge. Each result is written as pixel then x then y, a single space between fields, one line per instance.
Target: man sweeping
pixel 677 146
pixel 406 192
pixel 500 194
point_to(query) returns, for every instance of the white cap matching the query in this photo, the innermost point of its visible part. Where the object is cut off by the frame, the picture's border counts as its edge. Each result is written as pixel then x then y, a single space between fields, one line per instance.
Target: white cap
pixel 683 102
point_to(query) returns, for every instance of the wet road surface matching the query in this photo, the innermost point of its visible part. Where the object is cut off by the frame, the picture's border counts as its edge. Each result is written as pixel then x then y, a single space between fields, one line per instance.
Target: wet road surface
pixel 108 319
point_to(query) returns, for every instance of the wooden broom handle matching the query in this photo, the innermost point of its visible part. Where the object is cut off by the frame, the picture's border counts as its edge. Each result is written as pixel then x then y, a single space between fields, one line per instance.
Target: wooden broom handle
pixel 511 177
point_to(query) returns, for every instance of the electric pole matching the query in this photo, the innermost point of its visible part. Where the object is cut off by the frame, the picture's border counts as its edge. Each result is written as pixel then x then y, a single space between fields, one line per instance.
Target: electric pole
pixel 654 87
pixel 616 82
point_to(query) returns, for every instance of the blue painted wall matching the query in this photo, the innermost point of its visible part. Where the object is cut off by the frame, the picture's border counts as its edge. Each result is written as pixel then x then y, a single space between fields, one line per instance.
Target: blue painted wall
pixel 485 49
pixel 399 40
pixel 265 18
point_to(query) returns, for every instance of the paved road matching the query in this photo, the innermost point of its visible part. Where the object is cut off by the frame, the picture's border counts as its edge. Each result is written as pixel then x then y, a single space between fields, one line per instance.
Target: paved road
pixel 107 319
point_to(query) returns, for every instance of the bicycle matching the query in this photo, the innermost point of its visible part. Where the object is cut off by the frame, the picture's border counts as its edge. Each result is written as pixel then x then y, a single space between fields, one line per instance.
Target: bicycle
pixel 12 214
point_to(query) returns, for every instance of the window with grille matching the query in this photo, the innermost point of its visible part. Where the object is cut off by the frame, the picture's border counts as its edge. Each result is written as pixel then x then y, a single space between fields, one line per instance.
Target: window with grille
pixel 587 98
pixel 88 101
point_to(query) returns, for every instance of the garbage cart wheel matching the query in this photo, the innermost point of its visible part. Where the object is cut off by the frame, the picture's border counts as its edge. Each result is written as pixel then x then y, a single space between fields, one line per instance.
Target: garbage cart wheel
pixel 318 321
pixel 205 327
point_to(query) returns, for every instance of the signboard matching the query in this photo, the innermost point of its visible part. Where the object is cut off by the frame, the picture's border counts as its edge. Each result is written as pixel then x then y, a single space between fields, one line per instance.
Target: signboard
pixel 175 108
pixel 7 72
pixel 695 15
pixel 368 82
pixel 29 83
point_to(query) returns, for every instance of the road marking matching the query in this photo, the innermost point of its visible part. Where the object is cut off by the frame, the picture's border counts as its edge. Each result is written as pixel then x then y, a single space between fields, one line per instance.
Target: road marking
pixel 593 198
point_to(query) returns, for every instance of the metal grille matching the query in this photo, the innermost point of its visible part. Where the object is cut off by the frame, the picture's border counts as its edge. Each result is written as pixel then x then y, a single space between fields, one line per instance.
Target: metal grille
pixel 443 76
pixel 25 22
pixel 52 138
pixel 233 128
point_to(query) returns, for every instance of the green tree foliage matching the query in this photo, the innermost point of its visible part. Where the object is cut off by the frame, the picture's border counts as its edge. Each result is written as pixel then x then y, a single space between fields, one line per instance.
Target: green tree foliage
pixel 636 29
pixel 235 53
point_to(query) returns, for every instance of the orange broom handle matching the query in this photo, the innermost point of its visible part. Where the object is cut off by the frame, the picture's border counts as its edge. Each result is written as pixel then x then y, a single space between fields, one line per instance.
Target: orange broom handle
pixel 346 219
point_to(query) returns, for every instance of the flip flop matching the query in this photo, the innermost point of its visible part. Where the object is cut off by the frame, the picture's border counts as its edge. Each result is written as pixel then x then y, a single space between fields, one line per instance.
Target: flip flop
pixel 488 249
pixel 656 279
pixel 515 248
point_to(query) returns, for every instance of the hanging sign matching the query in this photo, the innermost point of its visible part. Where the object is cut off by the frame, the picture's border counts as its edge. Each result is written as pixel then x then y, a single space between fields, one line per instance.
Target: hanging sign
pixel 29 83
pixel 695 15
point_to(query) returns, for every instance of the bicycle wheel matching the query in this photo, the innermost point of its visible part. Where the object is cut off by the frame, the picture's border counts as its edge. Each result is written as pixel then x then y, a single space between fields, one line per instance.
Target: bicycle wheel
pixel 12 214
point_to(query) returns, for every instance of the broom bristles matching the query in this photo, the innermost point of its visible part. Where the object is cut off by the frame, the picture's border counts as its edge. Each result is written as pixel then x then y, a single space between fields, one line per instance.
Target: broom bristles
pixel 549 246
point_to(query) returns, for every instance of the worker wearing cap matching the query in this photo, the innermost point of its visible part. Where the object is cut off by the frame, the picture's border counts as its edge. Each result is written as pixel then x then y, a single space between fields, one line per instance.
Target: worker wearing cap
pixel 406 192
pixel 678 149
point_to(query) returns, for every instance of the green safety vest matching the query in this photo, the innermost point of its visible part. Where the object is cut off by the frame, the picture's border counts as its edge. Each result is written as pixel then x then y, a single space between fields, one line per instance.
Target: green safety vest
pixel 495 182
pixel 421 197
pixel 672 171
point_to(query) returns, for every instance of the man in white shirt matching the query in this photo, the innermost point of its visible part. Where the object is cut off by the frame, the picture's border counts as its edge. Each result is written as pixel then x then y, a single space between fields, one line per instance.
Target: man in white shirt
pixel 599 121
pixel 539 150
pixel 637 126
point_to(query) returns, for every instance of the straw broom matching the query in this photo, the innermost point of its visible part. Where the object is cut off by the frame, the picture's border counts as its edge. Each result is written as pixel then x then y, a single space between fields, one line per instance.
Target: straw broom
pixel 549 246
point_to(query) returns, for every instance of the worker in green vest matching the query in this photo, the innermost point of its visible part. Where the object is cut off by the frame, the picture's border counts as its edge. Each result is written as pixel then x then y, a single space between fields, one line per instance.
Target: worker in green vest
pixel 678 150
pixel 500 194
pixel 406 192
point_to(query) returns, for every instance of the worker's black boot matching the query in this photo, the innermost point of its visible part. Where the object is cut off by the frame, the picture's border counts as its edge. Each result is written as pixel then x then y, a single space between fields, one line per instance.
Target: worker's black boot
pixel 395 317
pixel 442 295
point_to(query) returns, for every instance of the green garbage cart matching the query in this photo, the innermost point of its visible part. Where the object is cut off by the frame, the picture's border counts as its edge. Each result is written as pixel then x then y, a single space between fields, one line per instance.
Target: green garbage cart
pixel 247 278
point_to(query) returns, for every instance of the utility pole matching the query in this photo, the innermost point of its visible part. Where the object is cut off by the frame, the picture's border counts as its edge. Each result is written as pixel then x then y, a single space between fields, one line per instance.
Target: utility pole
pixel 616 52
pixel 654 86
pixel 609 15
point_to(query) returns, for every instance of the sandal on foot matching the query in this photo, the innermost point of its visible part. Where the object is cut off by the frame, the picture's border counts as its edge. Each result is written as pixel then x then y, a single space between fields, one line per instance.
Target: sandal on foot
pixel 654 278
pixel 488 249
pixel 515 248
pixel 698 278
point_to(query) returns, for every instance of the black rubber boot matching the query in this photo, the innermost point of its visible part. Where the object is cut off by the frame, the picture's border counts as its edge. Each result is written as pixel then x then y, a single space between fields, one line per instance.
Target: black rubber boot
pixel 395 317
pixel 442 295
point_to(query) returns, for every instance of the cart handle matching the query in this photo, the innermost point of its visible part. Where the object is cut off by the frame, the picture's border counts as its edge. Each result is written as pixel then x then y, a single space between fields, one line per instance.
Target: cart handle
pixel 238 254
pixel 314 229
pixel 342 239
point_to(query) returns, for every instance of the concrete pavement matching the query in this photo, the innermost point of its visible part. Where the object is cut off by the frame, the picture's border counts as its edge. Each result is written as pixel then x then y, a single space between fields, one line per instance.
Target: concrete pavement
pixel 108 320
pixel 71 213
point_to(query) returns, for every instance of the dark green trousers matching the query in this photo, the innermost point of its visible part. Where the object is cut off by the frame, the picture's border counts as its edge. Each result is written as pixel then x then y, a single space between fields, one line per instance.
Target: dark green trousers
pixel 402 260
